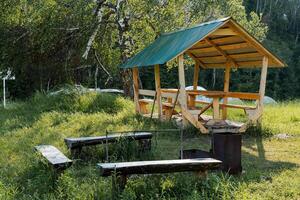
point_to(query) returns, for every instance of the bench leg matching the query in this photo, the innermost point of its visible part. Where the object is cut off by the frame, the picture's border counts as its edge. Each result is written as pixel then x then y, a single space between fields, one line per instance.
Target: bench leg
pixel 202 174
pixel 145 145
pixel 118 185
pixel 75 152
pixel 143 108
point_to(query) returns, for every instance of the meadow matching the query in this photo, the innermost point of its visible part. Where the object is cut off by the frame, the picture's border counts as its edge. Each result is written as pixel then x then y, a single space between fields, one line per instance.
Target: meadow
pixel 270 164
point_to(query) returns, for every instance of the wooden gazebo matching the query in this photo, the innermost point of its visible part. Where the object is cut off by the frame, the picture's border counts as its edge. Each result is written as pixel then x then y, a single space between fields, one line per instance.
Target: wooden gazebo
pixel 217 44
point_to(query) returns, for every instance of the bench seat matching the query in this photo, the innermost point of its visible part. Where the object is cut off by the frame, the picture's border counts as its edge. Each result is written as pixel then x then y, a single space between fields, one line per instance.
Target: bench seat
pixel 73 143
pixel 158 166
pixel 55 157
pixel 167 106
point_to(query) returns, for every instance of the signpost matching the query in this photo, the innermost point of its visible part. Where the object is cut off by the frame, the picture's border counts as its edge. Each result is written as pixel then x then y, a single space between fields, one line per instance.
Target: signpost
pixel 8 76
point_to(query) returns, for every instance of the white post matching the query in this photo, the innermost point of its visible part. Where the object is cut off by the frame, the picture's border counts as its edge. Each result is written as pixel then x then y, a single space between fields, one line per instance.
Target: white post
pixel 4 99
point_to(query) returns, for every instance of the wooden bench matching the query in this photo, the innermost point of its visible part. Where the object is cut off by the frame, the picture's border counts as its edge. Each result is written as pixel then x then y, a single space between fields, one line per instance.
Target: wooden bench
pixel 76 144
pixel 143 105
pixel 123 169
pixel 167 107
pixel 54 157
pixel 158 166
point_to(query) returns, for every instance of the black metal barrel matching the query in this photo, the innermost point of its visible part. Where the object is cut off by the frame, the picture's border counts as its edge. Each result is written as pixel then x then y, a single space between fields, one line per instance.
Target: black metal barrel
pixel 227 148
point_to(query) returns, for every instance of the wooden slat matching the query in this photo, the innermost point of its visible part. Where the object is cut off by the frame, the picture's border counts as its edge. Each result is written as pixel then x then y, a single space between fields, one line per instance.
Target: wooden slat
pixel 73 143
pixel 158 166
pixel 227 105
pixel 221 51
pixel 146 100
pixel 151 93
pixel 243 95
pixel 223 47
pixel 147 92
pixel 54 156
pixel 225 31
pixel 220 41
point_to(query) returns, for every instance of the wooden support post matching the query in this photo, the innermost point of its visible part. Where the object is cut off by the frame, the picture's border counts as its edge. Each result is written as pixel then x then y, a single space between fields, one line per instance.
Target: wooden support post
pixel 262 86
pixel 195 84
pixel 226 89
pixel 135 75
pixel 158 90
pixel 182 93
pixel 216 108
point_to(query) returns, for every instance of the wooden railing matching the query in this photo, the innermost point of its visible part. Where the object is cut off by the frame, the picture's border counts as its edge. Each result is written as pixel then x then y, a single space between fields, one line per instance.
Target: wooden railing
pixel 240 95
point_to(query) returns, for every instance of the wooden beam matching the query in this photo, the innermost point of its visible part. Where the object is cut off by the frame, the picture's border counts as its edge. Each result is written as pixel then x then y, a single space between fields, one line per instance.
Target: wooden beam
pixel 182 94
pixel 196 76
pixel 150 93
pixel 223 53
pixel 224 31
pixel 262 85
pixel 158 90
pixel 187 115
pixel 195 59
pixel 241 45
pixel 221 41
pixel 243 95
pixel 233 56
pixel 252 64
pixel 205 108
pixel 227 105
pixel 195 84
pixel 216 108
pixel 226 89
pixel 135 75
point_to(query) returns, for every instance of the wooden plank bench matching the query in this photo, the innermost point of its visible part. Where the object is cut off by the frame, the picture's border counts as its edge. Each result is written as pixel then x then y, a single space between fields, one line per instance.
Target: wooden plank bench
pixel 76 144
pixel 158 166
pixel 54 157
pixel 123 169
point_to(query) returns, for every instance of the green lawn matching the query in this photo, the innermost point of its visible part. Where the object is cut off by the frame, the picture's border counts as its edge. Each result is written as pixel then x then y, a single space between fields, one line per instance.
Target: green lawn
pixel 270 165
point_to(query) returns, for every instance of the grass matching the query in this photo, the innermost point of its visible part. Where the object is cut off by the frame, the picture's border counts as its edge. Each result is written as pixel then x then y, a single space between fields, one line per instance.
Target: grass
pixel 271 165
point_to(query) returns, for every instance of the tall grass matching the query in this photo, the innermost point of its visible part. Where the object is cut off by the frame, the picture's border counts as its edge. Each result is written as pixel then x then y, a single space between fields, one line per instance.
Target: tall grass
pixel 48 119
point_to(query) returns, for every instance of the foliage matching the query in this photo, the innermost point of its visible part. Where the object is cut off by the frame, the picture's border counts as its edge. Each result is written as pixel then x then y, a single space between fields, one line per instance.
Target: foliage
pixel 43 41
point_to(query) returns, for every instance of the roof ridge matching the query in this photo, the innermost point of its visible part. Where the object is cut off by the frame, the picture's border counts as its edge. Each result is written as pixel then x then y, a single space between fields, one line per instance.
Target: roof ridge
pixel 196 26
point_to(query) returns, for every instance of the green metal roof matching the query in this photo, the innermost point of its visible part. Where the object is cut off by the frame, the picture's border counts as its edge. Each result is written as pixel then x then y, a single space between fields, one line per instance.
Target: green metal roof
pixel 170 45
